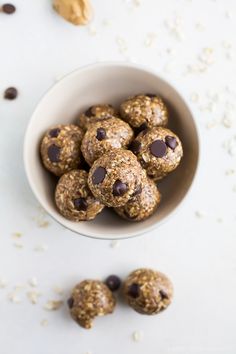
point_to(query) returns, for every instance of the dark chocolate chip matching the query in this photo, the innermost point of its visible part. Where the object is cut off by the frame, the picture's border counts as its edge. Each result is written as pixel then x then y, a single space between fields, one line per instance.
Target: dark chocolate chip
pixel 8 9
pixel 80 204
pixel 158 148
pixel 113 282
pixel 119 188
pixel 101 134
pixel 54 132
pixel 89 112
pixel 142 127
pixel 99 175
pixel 134 290
pixel 10 93
pixel 150 95
pixel 135 146
pixel 163 294
pixel 171 142
pixel 70 302
pixel 54 153
pixel 137 191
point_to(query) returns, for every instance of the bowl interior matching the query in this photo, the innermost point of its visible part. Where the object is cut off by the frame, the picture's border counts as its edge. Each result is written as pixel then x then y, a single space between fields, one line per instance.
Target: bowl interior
pixel 109 83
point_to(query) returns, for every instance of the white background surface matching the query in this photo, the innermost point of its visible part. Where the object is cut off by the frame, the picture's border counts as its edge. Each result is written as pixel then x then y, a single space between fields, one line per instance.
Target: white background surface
pixel 198 253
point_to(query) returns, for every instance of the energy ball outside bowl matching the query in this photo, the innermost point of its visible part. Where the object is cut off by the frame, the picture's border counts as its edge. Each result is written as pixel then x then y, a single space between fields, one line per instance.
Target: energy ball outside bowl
pixel 144 111
pixel 74 199
pixel 89 299
pixel 159 151
pixel 60 148
pixel 115 177
pixel 96 113
pixel 143 204
pixel 148 291
pixel 101 136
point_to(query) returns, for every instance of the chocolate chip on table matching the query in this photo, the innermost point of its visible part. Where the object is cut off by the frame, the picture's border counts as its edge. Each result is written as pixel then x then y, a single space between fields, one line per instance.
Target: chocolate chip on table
pixel 70 302
pixel 171 142
pixel 135 146
pixel 10 93
pixel 54 132
pixel 113 282
pixel 99 175
pixel 101 134
pixel 134 290
pixel 158 148
pixel 80 204
pixel 150 95
pixel 163 294
pixel 8 9
pixel 119 188
pixel 89 112
pixel 54 153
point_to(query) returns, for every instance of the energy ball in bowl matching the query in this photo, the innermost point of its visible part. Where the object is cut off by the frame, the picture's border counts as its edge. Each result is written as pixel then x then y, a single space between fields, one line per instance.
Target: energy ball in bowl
pixel 148 291
pixel 104 135
pixel 60 148
pixel 74 199
pixel 115 177
pixel 89 299
pixel 142 204
pixel 96 113
pixel 159 151
pixel 144 111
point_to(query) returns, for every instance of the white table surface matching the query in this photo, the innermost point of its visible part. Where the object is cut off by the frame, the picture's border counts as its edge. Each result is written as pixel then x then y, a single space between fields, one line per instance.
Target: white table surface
pixel 196 248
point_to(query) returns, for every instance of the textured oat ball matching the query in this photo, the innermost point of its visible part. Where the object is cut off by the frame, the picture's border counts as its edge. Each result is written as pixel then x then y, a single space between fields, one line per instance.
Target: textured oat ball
pixel 60 148
pixel 74 199
pixel 101 136
pixel 142 204
pixel 159 151
pixel 144 111
pixel 96 113
pixel 115 177
pixel 89 299
pixel 148 291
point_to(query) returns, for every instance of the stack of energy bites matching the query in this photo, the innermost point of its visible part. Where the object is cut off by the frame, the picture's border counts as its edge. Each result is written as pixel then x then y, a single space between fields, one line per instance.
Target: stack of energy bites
pixel 124 152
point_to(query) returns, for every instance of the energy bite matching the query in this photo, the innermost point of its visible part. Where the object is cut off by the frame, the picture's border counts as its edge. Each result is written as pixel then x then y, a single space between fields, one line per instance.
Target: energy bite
pixel 60 148
pixel 148 291
pixel 89 299
pixel 115 177
pixel 144 111
pixel 74 199
pixel 104 135
pixel 159 151
pixel 96 113
pixel 142 204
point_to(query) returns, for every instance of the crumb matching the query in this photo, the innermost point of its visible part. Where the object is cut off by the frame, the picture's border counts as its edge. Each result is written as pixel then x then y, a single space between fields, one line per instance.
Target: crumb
pixel 58 290
pixel 199 214
pixel 53 305
pixel 150 39
pixel 137 336
pixel 3 283
pixel 17 234
pixel 92 30
pixel 18 245
pixel 115 244
pixel 14 297
pixel 33 296
pixel 44 322
pixel 33 282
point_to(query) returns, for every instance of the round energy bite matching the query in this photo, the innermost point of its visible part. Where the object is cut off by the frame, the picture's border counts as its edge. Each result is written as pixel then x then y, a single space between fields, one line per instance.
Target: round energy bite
pixel 60 148
pixel 104 135
pixel 142 204
pixel 148 291
pixel 115 177
pixel 159 151
pixel 89 299
pixel 96 113
pixel 144 111
pixel 74 199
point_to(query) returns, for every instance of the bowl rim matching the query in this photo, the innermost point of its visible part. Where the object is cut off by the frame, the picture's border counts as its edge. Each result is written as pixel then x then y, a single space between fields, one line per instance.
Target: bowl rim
pixel 92 66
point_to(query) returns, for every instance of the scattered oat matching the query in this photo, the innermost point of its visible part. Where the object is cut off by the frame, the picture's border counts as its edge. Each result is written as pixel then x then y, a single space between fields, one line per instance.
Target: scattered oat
pixel 174 27
pixel 230 172
pixel 115 244
pixel 40 219
pixel 17 234
pixel 199 214
pixel 200 26
pixel 92 30
pixel 41 248
pixel 137 336
pixel 106 22
pixel 122 46
pixel 33 282
pixel 226 121
pixel 150 39
pixel 14 297
pixel 44 322
pixel 58 290
pixel 53 305
pixel 206 56
pixel 33 296
pixel 3 283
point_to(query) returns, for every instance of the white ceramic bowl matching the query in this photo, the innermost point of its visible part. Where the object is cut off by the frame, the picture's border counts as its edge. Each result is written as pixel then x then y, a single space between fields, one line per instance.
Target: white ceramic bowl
pixel 109 83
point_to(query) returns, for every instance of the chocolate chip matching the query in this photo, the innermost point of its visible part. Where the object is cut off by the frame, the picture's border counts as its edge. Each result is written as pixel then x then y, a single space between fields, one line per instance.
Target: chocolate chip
pixel 99 175
pixel 171 142
pixel 158 148
pixel 150 95
pixel 135 146
pixel 8 9
pixel 70 302
pixel 142 127
pixel 54 153
pixel 80 204
pixel 101 134
pixel 10 93
pixel 119 188
pixel 163 294
pixel 54 132
pixel 89 112
pixel 113 282
pixel 134 290
pixel 137 191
